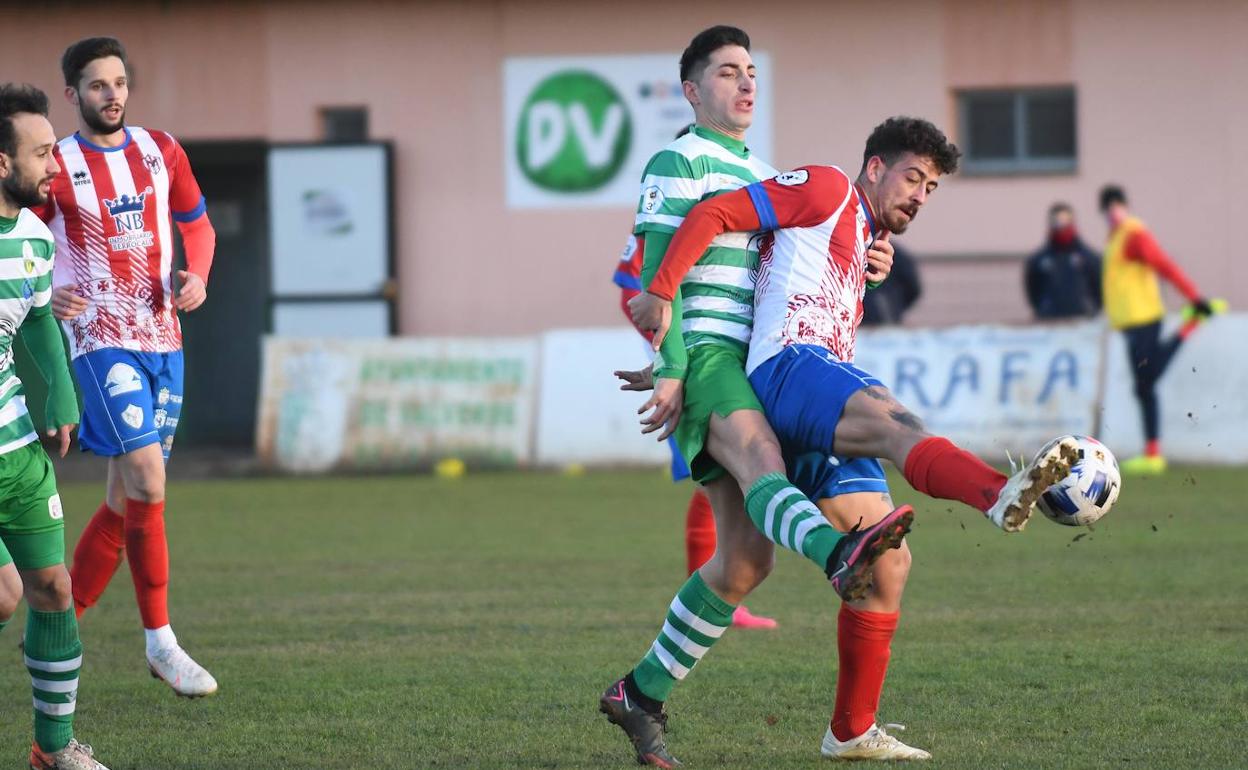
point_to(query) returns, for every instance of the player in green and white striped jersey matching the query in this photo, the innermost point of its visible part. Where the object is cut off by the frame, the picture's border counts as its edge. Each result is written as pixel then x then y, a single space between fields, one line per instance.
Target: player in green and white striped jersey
pixel 701 396
pixel 32 538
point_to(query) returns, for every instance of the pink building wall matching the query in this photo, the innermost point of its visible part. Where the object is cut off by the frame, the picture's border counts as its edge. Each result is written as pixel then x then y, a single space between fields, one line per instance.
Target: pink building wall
pixel 1160 110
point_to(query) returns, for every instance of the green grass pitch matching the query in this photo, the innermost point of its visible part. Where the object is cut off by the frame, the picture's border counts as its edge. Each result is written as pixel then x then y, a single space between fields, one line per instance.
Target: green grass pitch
pixel 397 622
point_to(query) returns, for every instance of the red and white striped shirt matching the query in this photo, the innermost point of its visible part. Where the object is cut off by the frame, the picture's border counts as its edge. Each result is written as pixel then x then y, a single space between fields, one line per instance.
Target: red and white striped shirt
pixel 111 211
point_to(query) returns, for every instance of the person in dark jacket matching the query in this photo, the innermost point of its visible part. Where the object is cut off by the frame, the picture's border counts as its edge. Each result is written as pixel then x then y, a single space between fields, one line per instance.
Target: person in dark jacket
pixel 887 303
pixel 1063 278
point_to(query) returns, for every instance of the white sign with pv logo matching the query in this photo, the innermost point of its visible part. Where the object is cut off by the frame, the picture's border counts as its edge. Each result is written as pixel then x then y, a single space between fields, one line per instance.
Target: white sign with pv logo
pixel 578 130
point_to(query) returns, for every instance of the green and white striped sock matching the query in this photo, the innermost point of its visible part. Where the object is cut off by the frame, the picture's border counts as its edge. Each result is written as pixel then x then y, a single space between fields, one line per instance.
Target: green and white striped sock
pixel 788 518
pixel 53 658
pixel 695 621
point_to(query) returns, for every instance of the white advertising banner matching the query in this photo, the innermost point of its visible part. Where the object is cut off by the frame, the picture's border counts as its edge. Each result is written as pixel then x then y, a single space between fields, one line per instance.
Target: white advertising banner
pixel 583 417
pixel 578 130
pixel 991 389
pixel 352 404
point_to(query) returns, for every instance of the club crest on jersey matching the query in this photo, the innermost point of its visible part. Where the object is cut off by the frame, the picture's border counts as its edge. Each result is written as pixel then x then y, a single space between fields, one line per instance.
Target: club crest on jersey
pixel 127 214
pixel 793 178
pixel 152 162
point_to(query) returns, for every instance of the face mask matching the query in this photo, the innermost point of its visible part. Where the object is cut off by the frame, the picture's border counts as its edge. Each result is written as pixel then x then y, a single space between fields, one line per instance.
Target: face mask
pixel 1063 236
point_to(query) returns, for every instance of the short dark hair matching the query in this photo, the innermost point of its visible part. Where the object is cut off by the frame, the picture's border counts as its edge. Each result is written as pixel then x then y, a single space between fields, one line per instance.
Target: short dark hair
pixel 16 99
pixel 1059 207
pixel 80 54
pixel 708 41
pixel 899 135
pixel 1111 194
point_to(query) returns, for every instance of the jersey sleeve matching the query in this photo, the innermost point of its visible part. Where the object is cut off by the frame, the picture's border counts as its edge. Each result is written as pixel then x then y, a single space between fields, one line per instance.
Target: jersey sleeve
pixel 41 297
pixel 670 188
pixel 1141 246
pixel 803 197
pixel 186 201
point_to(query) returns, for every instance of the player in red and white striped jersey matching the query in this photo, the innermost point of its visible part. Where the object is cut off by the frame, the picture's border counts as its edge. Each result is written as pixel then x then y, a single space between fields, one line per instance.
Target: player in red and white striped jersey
pixel 112 210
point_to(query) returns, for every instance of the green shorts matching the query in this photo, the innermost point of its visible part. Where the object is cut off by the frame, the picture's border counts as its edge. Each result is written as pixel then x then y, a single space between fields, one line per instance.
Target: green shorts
pixel 32 524
pixel 715 384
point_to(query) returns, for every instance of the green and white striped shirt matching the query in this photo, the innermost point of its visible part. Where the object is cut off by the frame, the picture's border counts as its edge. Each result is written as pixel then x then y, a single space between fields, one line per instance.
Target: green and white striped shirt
pixel 26 249
pixel 718 292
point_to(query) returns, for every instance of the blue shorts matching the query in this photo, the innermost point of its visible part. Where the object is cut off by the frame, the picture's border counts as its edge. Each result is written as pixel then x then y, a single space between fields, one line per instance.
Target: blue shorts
pixel 129 400
pixel 803 390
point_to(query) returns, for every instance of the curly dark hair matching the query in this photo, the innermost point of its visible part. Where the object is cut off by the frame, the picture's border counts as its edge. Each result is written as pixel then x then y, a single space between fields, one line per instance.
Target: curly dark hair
pixel 902 134
pixel 695 58
pixel 80 54
pixel 15 99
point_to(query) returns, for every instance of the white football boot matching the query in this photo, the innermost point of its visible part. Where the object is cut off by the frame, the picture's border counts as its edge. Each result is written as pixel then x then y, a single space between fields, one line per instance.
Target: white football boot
pixel 875 743
pixel 1018 498
pixel 187 678
pixel 75 756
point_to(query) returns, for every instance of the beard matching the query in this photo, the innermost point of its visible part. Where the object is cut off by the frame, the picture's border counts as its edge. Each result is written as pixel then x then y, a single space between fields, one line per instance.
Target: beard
pixel 896 222
pixel 24 193
pixel 96 122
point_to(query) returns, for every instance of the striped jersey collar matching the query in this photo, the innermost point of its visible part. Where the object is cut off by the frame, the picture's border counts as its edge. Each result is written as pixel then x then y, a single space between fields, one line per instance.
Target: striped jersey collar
pixel 735 146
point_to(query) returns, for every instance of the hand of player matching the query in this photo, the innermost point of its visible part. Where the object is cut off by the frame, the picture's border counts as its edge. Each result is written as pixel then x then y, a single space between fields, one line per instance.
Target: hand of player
pixel 651 314
pixel 640 381
pixel 879 259
pixel 1201 308
pixel 63 432
pixel 666 401
pixel 191 293
pixel 66 302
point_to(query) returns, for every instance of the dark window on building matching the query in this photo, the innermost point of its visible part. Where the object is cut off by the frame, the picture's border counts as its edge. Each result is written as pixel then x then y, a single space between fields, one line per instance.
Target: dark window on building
pixel 1018 131
pixel 344 124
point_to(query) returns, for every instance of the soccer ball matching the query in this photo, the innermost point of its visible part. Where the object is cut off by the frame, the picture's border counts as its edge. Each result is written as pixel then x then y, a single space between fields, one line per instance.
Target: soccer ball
pixel 1088 491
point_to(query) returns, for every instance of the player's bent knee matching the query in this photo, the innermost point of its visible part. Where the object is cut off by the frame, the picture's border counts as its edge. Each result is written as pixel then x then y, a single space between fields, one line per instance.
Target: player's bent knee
pixel 49 590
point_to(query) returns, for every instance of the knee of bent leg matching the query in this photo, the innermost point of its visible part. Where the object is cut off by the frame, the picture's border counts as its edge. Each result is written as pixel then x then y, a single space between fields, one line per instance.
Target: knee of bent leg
pixel 145 479
pixel 750 569
pixel 891 571
pixel 49 590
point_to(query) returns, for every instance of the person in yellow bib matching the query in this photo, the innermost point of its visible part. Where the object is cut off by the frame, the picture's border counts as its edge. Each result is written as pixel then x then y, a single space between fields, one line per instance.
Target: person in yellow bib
pixel 1132 294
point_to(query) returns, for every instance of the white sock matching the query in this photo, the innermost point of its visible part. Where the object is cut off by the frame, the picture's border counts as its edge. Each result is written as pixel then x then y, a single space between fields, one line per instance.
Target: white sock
pixel 159 639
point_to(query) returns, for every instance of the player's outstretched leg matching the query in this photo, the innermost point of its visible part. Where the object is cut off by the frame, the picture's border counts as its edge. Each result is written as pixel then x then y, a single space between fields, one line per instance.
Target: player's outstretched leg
pixel 874 424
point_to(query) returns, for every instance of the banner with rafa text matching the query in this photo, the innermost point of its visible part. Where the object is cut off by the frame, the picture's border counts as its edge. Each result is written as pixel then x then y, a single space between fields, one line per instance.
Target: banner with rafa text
pixel 395 403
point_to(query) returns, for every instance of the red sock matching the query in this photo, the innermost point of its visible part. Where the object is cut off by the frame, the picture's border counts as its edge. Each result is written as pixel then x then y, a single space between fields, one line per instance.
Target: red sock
pixel 1153 448
pixel 96 557
pixel 938 468
pixel 148 553
pixel 862 639
pixel 699 531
